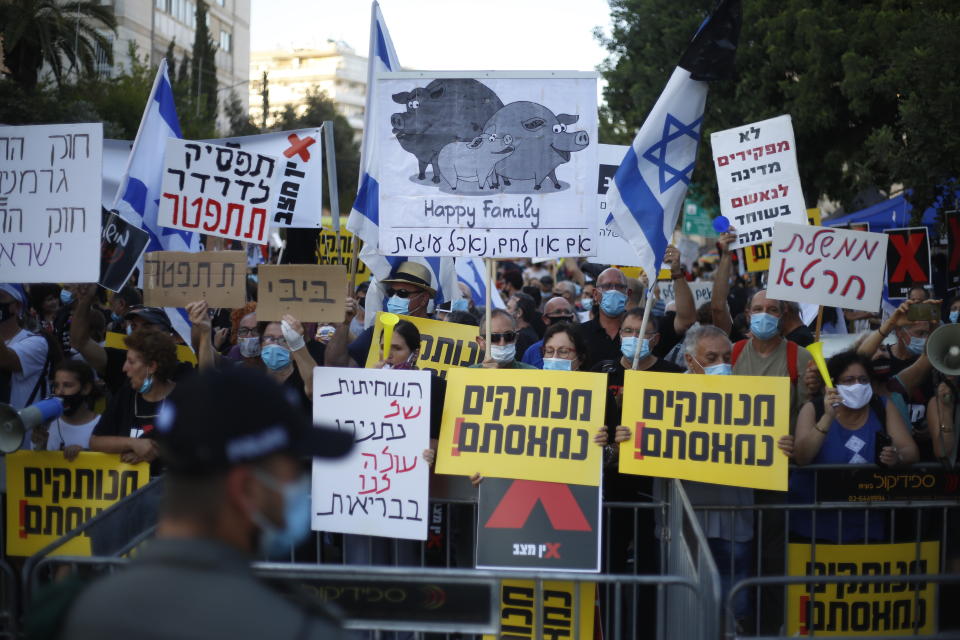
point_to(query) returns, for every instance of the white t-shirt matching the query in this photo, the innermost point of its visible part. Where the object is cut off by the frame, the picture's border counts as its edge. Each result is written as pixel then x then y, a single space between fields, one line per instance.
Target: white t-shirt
pixel 31 348
pixel 65 434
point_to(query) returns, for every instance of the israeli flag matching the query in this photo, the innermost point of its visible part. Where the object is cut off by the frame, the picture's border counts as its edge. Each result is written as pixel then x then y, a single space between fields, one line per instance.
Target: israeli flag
pixel 470 271
pixel 138 196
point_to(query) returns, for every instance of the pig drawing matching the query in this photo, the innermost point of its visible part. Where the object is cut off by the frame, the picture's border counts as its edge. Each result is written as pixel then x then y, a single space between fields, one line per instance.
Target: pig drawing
pixel 446 110
pixel 472 161
pixel 540 140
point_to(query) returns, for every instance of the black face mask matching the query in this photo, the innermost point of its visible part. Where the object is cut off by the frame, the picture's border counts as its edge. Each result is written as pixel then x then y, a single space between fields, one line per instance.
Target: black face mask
pixel 72 403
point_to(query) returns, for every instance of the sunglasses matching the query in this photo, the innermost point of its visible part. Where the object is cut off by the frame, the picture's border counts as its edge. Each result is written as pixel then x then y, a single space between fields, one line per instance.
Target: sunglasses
pixel 560 318
pixel 506 337
pixel 401 293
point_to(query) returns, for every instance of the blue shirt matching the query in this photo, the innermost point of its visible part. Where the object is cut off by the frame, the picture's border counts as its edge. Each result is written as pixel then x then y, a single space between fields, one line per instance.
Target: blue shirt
pixel 534 355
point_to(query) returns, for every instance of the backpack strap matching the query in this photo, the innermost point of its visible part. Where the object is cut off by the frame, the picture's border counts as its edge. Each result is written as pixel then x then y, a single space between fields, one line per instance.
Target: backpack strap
pixel 792 351
pixel 737 350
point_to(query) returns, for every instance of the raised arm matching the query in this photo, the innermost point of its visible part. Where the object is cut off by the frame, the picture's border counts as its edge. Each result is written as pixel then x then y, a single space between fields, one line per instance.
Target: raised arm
pixel 93 353
pixel 200 328
pixel 683 296
pixel 336 354
pixel 719 309
pixel 293 333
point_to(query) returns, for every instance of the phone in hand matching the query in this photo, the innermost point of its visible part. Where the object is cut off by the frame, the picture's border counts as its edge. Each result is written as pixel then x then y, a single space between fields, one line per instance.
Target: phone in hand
pixel 924 311
pixel 883 440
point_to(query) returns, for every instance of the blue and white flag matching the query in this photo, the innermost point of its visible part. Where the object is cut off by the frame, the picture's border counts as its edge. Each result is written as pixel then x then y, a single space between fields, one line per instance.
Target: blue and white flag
pixel 138 196
pixel 648 189
pixel 471 272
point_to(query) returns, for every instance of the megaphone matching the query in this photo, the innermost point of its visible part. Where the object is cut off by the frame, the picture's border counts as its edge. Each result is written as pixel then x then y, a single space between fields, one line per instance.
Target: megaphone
pixel 943 349
pixel 15 424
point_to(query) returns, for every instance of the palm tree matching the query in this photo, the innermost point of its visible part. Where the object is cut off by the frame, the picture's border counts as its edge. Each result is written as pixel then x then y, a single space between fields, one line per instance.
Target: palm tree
pixel 46 31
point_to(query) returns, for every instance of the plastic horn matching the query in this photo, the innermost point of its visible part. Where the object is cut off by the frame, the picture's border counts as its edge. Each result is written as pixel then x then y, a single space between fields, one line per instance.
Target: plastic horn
pixel 389 321
pixel 816 350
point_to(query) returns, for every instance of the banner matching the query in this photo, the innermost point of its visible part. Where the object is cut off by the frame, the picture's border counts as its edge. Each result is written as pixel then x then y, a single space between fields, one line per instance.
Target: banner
pixel 758 255
pixel 826 266
pixel 908 260
pixel 863 610
pixel 718 429
pixel 48 496
pixel 510 424
pixel 121 246
pixel 952 222
pixel 558 610
pixel 523 524
pixel 308 292
pixel 496 165
pixel 443 345
pixel 758 178
pixel 176 278
pixel 380 487
pixel 329 253
pixel 217 190
pixel 881 484
pixel 50 202
pixel 702 291
pixel 610 244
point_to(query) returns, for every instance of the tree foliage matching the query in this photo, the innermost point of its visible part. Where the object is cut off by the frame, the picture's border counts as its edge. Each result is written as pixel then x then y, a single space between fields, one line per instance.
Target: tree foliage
pixel 869 86
pixel 203 77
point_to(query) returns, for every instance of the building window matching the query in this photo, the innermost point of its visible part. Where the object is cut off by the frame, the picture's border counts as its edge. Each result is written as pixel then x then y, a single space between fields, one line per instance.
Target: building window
pixel 102 57
pixel 225 41
pixel 163 5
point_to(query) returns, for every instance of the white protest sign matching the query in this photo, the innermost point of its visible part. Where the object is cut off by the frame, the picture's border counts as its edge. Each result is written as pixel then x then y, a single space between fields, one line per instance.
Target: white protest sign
pixel 611 247
pixel 50 202
pixel 827 266
pixel 380 488
pixel 217 190
pixel 486 164
pixel 702 291
pixel 758 178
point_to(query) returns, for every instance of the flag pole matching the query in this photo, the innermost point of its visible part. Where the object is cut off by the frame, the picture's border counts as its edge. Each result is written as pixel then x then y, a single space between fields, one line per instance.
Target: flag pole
pixel 819 322
pixel 490 271
pixel 643 327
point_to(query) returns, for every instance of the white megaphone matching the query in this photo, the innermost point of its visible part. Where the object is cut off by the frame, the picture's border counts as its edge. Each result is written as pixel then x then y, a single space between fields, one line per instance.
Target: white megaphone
pixel 15 424
pixel 943 349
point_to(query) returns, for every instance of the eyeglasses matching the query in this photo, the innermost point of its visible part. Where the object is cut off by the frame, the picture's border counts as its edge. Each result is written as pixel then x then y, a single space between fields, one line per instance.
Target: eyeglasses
pixel 280 340
pixel 560 318
pixel 506 337
pixel 245 332
pixel 609 286
pixel 854 380
pixel 401 293
pixel 562 352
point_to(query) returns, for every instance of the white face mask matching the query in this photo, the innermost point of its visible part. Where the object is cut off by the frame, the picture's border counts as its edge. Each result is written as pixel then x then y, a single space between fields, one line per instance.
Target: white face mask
pixel 855 396
pixel 503 353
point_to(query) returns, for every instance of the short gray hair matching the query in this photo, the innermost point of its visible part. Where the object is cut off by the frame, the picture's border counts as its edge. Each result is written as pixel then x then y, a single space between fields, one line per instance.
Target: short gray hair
pixel 698 333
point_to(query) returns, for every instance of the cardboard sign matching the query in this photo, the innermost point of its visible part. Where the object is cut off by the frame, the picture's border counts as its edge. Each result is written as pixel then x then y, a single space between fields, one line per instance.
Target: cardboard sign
pixel 507 423
pixel 758 178
pixel 908 260
pixel 952 221
pixel 217 190
pixel 702 291
pixel 443 345
pixel 380 487
pixel 176 278
pixel 308 292
pixel 329 253
pixel 50 202
pixel 558 610
pixel 826 266
pixel 48 496
pixel 486 164
pixel 863 610
pixel 121 246
pixel 523 524
pixel 758 255
pixel 719 429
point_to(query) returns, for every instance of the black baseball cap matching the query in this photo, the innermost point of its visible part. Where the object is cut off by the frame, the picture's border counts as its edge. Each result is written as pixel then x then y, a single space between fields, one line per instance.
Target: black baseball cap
pixel 218 419
pixel 150 315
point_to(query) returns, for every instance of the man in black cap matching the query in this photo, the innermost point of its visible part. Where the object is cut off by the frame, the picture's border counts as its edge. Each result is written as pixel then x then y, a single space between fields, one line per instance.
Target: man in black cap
pixel 234 489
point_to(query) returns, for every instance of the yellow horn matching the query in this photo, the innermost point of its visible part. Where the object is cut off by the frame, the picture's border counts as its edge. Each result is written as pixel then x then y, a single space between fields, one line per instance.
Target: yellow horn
pixel 816 350
pixel 389 321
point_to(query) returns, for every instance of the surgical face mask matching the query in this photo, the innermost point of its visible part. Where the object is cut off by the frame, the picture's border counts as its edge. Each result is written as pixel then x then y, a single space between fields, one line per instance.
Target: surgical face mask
pixel 66 296
pixel 398 305
pixel 129 328
pixel 72 403
pixel 557 364
pixel 586 303
pixel 147 385
pixel 275 356
pixel 955 316
pixel 855 396
pixel 722 369
pixel 613 303
pixel 763 325
pixel 503 352
pixel 916 345
pixel 628 346
pixel 249 347
pixel 460 304
pixel 276 541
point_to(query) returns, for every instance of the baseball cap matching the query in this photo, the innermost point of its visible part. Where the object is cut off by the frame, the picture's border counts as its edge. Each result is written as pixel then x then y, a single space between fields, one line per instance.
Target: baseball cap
pixel 151 315
pixel 219 419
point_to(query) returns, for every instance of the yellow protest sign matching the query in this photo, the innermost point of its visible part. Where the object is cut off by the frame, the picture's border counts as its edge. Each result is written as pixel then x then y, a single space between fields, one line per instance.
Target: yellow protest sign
pixel 557 610
pixel 862 610
pixel 48 496
pixel 443 345
pixel 719 429
pixel 758 255
pixel 329 253
pixel 114 340
pixel 507 423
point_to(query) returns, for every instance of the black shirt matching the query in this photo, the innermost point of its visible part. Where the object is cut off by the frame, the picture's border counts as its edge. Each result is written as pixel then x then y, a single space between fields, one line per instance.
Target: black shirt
pixel 669 338
pixel 801 335
pixel 599 345
pixel 525 337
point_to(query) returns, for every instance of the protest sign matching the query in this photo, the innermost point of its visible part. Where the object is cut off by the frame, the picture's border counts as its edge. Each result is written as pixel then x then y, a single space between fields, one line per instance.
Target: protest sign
pixel 510 424
pixel 329 253
pixel 908 260
pixel 217 190
pixel 523 524
pixel 826 266
pixel 380 487
pixel 176 278
pixel 952 221
pixel 610 244
pixel 702 291
pixel 857 484
pixel 308 292
pixel 719 429
pixel 556 610
pixel 486 164
pixel 863 610
pixel 49 496
pixel 121 246
pixel 758 178
pixel 443 345
pixel 115 340
pixel 50 202
pixel 758 255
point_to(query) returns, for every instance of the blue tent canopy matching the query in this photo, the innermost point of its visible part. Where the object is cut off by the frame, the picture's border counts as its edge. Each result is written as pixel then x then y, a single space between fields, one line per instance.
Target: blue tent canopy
pixel 889 214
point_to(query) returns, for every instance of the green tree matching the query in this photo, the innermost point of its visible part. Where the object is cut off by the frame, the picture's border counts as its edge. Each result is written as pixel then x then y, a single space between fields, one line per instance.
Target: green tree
pixel 203 77
pixel 863 82
pixel 237 116
pixel 46 31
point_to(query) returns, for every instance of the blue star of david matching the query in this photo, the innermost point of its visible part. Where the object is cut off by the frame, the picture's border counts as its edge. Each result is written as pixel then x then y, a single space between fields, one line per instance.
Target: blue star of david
pixel 657 154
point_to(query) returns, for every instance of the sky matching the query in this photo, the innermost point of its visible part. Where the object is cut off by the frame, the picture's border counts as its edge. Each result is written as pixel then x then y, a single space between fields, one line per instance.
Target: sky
pixel 446 34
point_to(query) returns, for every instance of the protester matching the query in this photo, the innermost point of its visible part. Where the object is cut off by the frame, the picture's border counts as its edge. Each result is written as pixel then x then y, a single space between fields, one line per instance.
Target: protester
pixel 503 338
pixel 23 355
pixel 557 309
pixel 792 326
pixel 511 282
pixel 943 415
pixel 120 304
pixel 602 333
pixel 74 384
pixel 287 360
pixel 244 336
pixel 630 342
pixel 524 311
pixel 45 303
pixel 360 295
pixel 953 310
pixel 567 290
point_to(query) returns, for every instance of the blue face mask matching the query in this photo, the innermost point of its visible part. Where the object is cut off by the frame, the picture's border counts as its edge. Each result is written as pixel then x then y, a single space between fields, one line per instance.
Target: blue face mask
pixel 398 305
pixel 586 303
pixel 955 316
pixel 557 364
pixel 613 303
pixel 276 541
pixel 147 385
pixel 722 369
pixel 628 346
pixel 66 297
pixel 275 356
pixel 115 318
pixel 763 325
pixel 916 345
pixel 460 304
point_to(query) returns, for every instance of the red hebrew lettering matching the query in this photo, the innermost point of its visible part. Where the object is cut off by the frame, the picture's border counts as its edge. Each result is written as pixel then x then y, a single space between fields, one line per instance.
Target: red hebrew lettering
pixel 523 495
pixel 836 281
pixel 908 269
pixel 796 238
pixel 863 287
pixel 299 147
pixel 783 273
pixel 232 208
pixel 254 213
pixel 176 205
pixel 213 209
pixel 198 207
pixel 806 284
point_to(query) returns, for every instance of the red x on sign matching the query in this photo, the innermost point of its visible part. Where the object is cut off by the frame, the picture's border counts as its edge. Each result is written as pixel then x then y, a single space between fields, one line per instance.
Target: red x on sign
pixel 299 147
pixel 553 550
pixel 908 269
pixel 522 496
